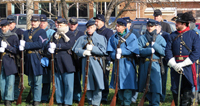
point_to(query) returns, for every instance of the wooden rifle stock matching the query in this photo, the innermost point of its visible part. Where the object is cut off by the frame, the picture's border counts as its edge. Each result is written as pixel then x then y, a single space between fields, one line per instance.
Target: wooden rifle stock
pixel 53 79
pixel 147 82
pixel 173 103
pixel 82 101
pixel 28 98
pixel 19 100
pixel 113 102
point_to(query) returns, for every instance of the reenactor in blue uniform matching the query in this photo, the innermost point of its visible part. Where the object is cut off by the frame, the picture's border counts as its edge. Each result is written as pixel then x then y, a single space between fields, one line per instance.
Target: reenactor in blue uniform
pixel 19 32
pixel 34 40
pixel 181 53
pixel 73 26
pixel 55 20
pixel 8 49
pixel 95 50
pixel 158 17
pixel 46 72
pixel 63 40
pixel 102 30
pixel 162 62
pixel 193 27
pixel 151 43
pixel 128 21
pixel 127 71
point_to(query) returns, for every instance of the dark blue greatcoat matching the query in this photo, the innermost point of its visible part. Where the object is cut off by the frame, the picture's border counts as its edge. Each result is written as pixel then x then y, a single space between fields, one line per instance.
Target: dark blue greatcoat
pixel 12 48
pixel 32 61
pixel 63 59
pixel 105 32
pixel 192 40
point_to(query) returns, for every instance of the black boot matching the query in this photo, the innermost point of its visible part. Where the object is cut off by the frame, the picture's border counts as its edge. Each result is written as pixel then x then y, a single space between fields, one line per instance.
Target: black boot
pixel 36 103
pixel 175 96
pixel 186 98
pixel 7 103
pixel 59 104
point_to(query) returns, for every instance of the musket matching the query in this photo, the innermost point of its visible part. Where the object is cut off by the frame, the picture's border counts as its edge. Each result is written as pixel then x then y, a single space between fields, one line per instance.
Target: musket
pixel 82 101
pixel 19 100
pixel 147 82
pixel 113 102
pixel 173 103
pixel 53 78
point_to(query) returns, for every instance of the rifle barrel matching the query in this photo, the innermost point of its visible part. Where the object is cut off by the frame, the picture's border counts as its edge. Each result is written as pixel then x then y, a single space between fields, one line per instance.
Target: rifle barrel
pixel 147 82
pixel 51 101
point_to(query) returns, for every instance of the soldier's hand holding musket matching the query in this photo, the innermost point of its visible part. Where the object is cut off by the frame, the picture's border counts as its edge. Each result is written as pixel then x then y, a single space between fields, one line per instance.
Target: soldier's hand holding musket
pixel 52 46
pixel 88 50
pixel 3 46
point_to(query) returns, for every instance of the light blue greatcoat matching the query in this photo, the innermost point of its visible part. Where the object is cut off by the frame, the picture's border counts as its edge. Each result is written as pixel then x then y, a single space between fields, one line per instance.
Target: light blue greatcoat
pixel 95 73
pixel 145 52
pixel 127 72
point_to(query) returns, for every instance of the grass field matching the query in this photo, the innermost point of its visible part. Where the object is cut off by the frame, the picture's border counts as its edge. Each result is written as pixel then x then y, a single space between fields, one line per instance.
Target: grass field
pixel 112 91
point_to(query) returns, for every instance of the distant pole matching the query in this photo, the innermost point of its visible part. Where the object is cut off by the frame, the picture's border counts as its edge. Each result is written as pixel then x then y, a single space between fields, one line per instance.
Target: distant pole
pixel 29 12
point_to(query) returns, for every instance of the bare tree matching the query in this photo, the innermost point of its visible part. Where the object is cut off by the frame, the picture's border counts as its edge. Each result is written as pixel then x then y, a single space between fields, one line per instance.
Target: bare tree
pixel 29 13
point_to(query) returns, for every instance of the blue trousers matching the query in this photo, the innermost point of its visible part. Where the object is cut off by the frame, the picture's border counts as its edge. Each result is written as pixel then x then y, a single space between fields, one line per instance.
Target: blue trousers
pixel 36 86
pixel 46 84
pixel 7 86
pixel 77 86
pixel 154 98
pixel 94 96
pixel 164 82
pixel 105 92
pixel 16 88
pixel 125 96
pixel 64 87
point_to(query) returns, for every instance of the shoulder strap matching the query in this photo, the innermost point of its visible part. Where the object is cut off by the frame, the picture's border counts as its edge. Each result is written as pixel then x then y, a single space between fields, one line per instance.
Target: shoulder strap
pixel 31 34
pixel 46 29
pixel 179 36
pixel 76 32
pixel 125 37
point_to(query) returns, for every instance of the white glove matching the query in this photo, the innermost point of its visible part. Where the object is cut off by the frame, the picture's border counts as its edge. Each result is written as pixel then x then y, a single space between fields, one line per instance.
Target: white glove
pixel 51 50
pixel 172 63
pixel 21 48
pixel 2 49
pixel 52 45
pixel 152 50
pixel 87 53
pixel 4 44
pixel 119 51
pixel 152 43
pixel 22 43
pixel 186 62
pixel 118 56
pixel 89 47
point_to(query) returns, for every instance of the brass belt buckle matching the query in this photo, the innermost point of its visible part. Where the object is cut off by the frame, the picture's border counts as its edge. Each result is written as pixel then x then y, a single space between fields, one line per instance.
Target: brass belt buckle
pixel 147 59
pixel 29 52
pixel 4 53
pixel 180 58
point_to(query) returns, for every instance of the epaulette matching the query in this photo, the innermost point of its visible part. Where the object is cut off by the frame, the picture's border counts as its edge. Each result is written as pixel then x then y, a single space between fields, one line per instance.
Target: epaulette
pixel 197 33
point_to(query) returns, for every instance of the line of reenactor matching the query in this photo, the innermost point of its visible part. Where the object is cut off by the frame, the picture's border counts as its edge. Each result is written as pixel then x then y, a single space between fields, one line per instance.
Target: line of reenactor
pixel 73 52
